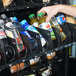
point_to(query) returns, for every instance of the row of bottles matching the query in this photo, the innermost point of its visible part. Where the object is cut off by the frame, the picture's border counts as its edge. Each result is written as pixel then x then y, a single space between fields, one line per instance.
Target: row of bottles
pixel 52 26
pixel 12 47
pixel 27 40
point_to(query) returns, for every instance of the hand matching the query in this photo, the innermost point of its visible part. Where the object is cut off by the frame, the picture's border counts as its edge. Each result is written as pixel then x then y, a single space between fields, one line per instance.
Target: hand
pixel 50 10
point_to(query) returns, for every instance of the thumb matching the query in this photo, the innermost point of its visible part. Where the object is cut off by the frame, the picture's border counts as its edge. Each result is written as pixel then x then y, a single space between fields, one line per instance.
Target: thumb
pixel 41 10
pixel 48 18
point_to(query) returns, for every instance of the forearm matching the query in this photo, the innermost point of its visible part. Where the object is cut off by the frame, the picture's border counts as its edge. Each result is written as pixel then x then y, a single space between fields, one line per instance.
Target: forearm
pixel 68 9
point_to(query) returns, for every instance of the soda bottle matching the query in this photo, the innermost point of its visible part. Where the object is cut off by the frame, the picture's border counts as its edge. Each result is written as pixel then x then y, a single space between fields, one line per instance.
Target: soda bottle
pixel 62 22
pixel 7 51
pixel 26 26
pixel 45 25
pixel 33 20
pixel 57 28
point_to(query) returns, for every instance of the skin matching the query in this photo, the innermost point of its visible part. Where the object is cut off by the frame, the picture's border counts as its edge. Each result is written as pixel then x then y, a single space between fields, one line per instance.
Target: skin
pixel 53 10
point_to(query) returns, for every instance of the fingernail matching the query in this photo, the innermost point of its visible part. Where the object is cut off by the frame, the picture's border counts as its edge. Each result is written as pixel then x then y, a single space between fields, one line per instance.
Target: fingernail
pixel 47 20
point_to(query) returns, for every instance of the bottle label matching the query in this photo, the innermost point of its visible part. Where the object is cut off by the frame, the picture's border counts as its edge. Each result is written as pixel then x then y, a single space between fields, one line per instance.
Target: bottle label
pixel 2 34
pixel 35 24
pixel 9 33
pixel 37 59
pixel 14 34
pixel 31 28
pixel 46 72
pixel 61 19
pixel 54 21
pixel 44 25
pixel 34 61
pixel 47 26
pixel 43 41
pixel 19 42
pixel 26 33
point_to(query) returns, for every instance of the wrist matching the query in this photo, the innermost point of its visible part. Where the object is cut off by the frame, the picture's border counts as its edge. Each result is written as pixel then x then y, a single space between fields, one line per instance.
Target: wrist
pixel 61 7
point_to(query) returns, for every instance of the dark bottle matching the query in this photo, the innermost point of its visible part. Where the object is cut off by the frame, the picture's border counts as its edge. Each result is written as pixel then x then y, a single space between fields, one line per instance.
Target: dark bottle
pixel 7 51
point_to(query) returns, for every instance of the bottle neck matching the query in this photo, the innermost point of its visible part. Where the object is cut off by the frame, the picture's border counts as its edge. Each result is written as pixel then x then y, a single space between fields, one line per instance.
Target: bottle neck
pixel 42 19
pixel 25 25
pixel 32 18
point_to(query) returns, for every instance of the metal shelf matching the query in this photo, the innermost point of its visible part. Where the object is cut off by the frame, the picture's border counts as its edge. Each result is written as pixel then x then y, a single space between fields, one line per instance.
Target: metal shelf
pixel 38 55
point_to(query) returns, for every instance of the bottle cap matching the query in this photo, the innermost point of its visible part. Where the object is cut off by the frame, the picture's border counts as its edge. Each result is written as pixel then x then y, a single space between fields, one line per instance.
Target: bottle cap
pixel 11 18
pixel 31 15
pixel 23 22
pixel 40 14
pixel 3 16
pixel 15 18
pixel 1 22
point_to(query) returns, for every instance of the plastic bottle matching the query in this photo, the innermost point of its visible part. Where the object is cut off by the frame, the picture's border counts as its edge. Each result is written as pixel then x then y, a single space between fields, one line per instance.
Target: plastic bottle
pixel 26 26
pixel 33 20
pixel 13 33
pixel 45 25
pixel 8 52
pixel 57 28
pixel 14 36
pixel 33 42
pixel 62 22
pixel 4 17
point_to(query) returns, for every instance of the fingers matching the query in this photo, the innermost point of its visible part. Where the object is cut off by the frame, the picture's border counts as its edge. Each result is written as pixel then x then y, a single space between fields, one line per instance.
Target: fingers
pixel 42 10
pixel 48 17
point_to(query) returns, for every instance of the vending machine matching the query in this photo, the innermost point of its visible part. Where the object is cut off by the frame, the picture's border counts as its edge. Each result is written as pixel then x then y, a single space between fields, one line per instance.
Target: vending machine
pixel 32 50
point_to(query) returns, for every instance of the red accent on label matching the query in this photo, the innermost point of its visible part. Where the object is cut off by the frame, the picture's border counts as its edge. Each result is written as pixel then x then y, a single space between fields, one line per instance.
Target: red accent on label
pixel 63 18
pixel 48 26
pixel 2 33
pixel 24 47
pixel 18 40
pixel 60 30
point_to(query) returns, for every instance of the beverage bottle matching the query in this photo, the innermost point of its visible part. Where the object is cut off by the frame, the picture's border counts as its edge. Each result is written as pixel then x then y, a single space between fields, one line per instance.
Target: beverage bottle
pixel 14 34
pixel 26 26
pixel 7 51
pixel 33 42
pixel 57 28
pixel 4 17
pixel 45 25
pixel 62 22
pixel 31 28
pixel 33 20
pixel 16 23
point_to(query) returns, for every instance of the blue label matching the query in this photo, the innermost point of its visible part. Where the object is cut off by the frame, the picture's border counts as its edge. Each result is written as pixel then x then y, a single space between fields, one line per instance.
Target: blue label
pixel 26 33
pixel 31 28
pixel 61 19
